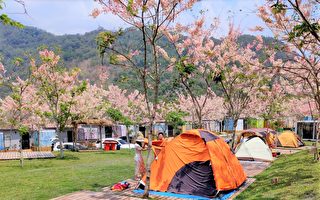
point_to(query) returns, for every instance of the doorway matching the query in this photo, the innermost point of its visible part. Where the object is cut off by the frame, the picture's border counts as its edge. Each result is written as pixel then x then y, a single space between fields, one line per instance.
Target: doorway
pixel 142 129
pixel 170 131
pixel 69 136
pixel 25 141
pixel 108 132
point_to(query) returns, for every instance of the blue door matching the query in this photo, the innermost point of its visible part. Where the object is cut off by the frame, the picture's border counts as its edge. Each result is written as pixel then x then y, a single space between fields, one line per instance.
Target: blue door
pixel 1 141
pixel 228 124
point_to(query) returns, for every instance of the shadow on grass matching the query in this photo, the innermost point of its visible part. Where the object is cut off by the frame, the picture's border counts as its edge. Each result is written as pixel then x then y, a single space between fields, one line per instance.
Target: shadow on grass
pixel 97 187
pixel 68 157
pixel 118 152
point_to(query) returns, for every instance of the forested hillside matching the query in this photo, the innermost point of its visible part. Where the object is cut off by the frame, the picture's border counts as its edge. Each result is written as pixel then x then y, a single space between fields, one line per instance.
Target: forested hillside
pixel 76 51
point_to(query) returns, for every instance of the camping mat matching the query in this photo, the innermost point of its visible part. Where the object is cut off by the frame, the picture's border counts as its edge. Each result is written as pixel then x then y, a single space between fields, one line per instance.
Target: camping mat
pixel 26 155
pixel 222 196
pixel 253 168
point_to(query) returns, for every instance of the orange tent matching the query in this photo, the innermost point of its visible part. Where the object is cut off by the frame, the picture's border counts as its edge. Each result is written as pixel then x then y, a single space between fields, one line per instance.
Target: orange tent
pixel 157 145
pixel 268 135
pixel 197 162
pixel 289 139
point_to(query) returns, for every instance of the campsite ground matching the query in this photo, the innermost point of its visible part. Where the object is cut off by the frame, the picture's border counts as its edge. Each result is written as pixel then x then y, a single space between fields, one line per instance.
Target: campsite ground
pixel 48 178
pixel 299 176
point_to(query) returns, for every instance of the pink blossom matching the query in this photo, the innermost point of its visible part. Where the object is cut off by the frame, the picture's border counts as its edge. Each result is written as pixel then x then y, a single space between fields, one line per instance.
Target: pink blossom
pixel 257 28
pixel 1 68
pixel 49 56
pixel 95 13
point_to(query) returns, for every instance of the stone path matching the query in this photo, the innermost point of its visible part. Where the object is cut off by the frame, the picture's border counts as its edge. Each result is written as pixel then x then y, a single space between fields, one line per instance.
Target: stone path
pixel 107 193
pixel 253 168
pixel 26 155
pixel 284 150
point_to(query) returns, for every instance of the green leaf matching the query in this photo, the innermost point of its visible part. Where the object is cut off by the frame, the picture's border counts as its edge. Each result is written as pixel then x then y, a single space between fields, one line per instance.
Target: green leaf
pixel 130 7
pixel 23 129
pixel 278 8
pixel 4 19
pixel 104 40
pixel 175 118
pixel 115 114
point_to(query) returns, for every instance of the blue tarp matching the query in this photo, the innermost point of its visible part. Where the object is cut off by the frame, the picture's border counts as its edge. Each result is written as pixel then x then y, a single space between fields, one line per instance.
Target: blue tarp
pixel 224 196
pixel 1 141
pixel 307 118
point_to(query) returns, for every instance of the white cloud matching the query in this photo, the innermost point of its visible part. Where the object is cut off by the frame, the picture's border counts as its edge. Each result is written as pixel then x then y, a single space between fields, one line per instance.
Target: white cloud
pixel 61 17
pixel 242 13
pixel 72 16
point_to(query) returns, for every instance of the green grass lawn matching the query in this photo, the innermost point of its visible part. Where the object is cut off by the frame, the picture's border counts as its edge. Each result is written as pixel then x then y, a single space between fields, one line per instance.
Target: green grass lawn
pixel 48 178
pixel 310 143
pixel 299 178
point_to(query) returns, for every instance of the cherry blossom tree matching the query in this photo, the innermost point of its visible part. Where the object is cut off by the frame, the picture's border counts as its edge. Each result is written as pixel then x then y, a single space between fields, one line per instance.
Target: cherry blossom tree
pixel 296 24
pixel 299 107
pixel 90 104
pixel 57 88
pixel 212 107
pixel 127 108
pixel 193 44
pixel 150 18
pixel 241 75
pixel 130 104
pixel 269 103
pixel 20 109
pixel 238 70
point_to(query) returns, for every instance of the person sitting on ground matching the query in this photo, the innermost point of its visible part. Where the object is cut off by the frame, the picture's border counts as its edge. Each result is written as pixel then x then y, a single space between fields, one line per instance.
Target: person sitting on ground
pixel 160 136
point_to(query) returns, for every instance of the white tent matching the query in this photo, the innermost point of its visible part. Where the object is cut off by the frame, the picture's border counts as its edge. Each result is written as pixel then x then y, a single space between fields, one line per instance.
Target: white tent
pixel 254 149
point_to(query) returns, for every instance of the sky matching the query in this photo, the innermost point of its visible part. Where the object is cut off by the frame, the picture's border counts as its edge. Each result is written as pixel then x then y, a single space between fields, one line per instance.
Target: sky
pixel 73 16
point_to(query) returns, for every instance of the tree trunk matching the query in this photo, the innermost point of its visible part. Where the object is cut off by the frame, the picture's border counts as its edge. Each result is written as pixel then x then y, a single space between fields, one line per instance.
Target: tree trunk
pixel 316 152
pixel 149 161
pixel 21 154
pixel 234 134
pixel 61 143
pixel 74 133
pixel 100 137
pixel 199 123
pixel 128 136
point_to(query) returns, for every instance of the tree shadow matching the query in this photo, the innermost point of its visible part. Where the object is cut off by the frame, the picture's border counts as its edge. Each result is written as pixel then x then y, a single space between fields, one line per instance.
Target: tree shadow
pixel 68 157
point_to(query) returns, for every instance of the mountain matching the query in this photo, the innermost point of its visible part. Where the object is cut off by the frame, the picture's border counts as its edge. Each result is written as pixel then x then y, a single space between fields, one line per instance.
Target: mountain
pixel 74 48
pixel 78 50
